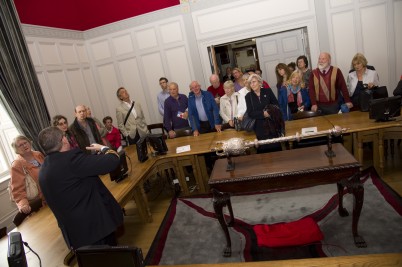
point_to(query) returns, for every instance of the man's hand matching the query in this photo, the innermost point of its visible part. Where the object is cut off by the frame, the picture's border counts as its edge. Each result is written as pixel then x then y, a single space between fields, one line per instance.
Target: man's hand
pixel 172 134
pixel 349 104
pixel 95 147
pixel 231 123
pixel 185 115
pixel 314 108
pixel 196 133
pixel 218 128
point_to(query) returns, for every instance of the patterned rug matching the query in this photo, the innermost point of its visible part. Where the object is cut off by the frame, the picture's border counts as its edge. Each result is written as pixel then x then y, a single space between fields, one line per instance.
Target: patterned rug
pixel 190 233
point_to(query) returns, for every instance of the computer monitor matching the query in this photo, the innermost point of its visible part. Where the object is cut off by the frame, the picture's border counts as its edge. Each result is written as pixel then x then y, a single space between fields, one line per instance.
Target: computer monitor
pixel 106 256
pixel 158 143
pixel 385 109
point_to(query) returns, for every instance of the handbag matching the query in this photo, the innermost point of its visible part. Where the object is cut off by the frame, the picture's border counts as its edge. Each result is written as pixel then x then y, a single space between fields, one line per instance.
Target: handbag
pixel 247 123
pixel 142 149
pixel 31 188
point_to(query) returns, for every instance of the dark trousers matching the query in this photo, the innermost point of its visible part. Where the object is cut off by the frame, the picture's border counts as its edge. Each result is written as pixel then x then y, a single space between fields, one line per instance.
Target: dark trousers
pixel 132 141
pixel 205 127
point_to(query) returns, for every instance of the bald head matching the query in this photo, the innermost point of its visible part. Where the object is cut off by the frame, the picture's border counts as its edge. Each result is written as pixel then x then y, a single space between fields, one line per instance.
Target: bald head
pixel 324 60
pixel 214 80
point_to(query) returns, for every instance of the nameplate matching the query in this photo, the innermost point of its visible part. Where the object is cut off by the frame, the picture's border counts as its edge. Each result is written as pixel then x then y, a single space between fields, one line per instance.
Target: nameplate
pixel 309 130
pixel 182 149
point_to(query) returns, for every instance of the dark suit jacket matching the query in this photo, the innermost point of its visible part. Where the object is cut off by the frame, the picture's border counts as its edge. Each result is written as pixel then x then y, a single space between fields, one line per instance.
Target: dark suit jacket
pixel 255 109
pixel 398 89
pixel 85 209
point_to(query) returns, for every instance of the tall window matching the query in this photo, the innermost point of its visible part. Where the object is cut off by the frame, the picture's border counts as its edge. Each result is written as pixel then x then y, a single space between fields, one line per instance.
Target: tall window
pixel 7 134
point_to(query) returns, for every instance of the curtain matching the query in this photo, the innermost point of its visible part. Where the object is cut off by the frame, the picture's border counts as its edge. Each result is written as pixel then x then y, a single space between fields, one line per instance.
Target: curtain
pixel 20 93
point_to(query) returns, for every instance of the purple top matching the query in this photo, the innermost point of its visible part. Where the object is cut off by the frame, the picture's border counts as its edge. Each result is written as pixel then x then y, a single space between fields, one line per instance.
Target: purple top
pixel 172 119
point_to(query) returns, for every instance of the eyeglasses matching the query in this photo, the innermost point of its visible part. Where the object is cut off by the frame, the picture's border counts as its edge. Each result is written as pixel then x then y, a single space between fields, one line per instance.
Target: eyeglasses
pixel 23 144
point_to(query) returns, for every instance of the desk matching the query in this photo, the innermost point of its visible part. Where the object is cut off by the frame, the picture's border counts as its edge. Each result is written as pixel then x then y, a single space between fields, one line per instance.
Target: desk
pixel 363 130
pixel 277 171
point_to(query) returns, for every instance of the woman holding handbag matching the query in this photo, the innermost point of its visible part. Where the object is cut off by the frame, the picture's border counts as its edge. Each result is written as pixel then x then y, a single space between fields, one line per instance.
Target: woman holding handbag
pixel 263 106
pixel 24 174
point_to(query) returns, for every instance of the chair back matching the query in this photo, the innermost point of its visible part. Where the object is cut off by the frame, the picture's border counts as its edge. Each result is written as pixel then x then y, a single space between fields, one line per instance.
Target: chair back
pixel 158 128
pixel 306 114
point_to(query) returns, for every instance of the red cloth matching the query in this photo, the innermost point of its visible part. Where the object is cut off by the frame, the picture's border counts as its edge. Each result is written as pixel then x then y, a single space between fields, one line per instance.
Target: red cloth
pixel 301 232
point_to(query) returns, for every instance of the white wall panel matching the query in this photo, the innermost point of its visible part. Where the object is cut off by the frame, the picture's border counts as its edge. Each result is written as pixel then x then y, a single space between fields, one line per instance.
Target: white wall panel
pixel 108 86
pixel 68 54
pixel 82 53
pixel 343 28
pixel 60 93
pixel 374 33
pixel 78 88
pixel 153 69
pixel 178 64
pixel 47 94
pixel 101 50
pixel 398 40
pixel 338 3
pixel 242 13
pixel 49 53
pixel 131 79
pixel 94 95
pixel 34 54
pixel 146 38
pixel 171 32
pixel 122 44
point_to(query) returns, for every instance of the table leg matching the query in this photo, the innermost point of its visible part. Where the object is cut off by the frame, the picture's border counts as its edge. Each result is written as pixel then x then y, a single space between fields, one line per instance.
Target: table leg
pixel 353 186
pixel 141 202
pixel 221 200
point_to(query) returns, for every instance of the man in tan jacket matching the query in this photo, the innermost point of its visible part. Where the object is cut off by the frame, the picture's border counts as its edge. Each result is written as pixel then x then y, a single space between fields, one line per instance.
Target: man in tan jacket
pixel 131 123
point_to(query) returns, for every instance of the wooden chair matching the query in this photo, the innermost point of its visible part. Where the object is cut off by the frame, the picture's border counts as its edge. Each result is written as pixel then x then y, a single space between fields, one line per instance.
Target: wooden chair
pixel 159 127
pixel 306 114
pixel 317 141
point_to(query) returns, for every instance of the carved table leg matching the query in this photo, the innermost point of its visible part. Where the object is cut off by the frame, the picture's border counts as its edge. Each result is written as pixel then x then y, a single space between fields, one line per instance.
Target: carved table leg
pixel 221 200
pixel 353 186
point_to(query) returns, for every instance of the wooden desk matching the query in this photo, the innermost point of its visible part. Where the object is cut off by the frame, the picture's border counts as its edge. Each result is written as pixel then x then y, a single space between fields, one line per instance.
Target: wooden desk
pixel 363 130
pixel 277 171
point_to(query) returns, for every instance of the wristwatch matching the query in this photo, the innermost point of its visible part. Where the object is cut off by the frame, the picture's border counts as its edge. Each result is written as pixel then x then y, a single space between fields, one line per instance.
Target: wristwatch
pixel 104 149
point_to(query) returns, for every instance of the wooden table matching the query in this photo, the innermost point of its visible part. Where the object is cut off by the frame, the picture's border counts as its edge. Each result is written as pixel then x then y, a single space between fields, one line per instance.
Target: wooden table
pixel 363 130
pixel 277 171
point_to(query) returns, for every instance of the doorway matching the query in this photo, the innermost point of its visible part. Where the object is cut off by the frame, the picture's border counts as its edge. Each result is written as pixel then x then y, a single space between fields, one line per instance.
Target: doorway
pixel 262 52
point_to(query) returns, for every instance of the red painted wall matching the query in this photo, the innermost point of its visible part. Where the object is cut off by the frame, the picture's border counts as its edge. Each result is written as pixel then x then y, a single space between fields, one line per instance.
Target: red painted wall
pixel 84 14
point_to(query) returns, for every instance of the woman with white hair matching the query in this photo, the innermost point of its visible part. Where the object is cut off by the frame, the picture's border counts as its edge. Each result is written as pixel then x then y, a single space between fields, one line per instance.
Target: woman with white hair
pixel 228 105
pixel 27 162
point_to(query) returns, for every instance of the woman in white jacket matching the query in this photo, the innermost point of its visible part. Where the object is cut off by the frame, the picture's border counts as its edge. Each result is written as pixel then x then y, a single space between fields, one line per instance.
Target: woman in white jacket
pixel 228 105
pixel 361 78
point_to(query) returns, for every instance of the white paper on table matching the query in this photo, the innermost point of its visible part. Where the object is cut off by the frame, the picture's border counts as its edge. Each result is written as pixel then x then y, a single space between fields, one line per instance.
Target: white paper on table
pixel 309 130
pixel 182 149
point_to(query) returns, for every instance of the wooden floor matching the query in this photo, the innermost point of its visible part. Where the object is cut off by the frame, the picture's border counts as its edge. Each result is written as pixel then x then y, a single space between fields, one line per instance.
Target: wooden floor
pixel 142 234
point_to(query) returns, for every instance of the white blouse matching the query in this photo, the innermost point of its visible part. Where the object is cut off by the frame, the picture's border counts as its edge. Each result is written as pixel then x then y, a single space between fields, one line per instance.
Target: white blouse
pixel 241 106
pixel 369 76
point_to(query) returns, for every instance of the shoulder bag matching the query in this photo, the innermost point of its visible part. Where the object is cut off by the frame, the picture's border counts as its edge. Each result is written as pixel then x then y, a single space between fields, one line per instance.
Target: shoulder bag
pixel 31 188
pixel 248 123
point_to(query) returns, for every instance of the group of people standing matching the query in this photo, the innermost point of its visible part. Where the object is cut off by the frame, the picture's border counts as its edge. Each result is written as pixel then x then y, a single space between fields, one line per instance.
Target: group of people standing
pixel 76 154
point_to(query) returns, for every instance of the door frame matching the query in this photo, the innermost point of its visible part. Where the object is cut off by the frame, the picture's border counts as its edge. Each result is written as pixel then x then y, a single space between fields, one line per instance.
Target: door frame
pixel 257 32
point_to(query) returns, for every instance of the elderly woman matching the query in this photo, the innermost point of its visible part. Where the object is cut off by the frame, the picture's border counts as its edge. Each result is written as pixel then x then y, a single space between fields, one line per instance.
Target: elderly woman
pixel 360 78
pixel 28 162
pixel 262 106
pixel 293 97
pixel 241 106
pixel 282 75
pixel 228 105
pixel 61 122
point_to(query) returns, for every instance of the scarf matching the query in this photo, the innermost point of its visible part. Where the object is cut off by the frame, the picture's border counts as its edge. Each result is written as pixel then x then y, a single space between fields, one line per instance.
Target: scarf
pixel 292 92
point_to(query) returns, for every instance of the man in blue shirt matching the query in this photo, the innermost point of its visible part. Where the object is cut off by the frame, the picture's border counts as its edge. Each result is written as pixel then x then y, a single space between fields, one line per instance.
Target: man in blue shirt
pixel 163 95
pixel 176 114
pixel 203 112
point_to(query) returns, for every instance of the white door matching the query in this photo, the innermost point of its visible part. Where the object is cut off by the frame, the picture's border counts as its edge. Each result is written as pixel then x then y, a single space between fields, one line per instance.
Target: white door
pixel 277 48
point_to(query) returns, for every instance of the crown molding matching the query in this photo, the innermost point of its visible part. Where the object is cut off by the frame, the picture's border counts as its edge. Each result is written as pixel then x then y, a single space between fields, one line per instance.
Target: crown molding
pixel 49 32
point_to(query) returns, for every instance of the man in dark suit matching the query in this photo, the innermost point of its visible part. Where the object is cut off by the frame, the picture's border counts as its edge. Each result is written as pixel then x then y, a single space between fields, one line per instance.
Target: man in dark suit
pixel 86 211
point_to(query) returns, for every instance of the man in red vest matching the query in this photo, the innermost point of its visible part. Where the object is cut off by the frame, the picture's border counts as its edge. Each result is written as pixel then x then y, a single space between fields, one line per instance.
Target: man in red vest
pixel 327 86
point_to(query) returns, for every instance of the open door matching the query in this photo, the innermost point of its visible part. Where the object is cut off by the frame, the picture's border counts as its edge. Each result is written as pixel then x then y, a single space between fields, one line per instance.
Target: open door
pixel 282 47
